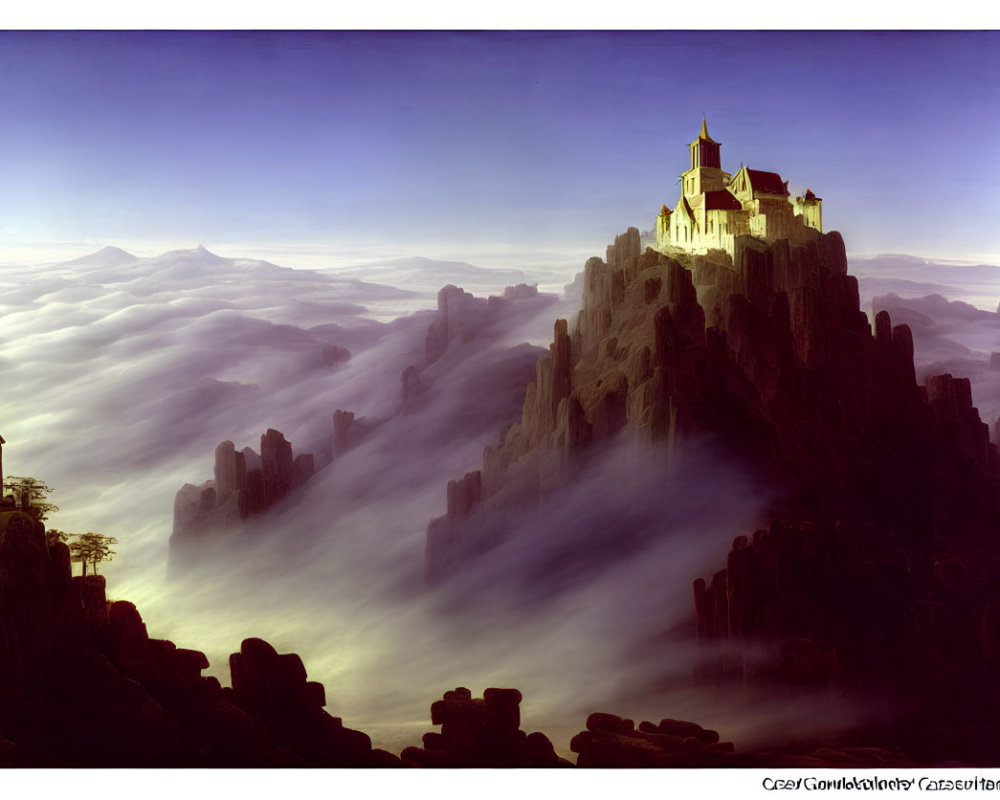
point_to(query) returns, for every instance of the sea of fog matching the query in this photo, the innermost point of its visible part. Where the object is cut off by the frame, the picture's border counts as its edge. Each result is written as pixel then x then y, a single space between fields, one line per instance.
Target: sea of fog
pixel 120 375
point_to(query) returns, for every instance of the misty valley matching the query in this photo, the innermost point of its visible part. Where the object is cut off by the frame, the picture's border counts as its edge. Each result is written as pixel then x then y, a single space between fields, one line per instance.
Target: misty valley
pixel 509 502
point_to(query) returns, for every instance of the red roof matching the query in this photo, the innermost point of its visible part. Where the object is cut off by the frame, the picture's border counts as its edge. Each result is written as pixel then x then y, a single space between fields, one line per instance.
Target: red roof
pixel 721 199
pixel 766 182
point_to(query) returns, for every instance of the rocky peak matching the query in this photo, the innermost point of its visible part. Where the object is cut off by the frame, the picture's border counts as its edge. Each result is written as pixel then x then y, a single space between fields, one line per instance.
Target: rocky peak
pixel 885 488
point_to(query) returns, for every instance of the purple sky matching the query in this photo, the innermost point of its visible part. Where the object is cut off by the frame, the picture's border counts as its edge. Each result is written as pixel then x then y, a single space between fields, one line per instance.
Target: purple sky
pixel 494 138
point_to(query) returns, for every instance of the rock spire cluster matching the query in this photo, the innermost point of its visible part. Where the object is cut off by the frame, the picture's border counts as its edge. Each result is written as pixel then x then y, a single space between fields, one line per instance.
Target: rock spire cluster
pixel 880 562
pixel 246 483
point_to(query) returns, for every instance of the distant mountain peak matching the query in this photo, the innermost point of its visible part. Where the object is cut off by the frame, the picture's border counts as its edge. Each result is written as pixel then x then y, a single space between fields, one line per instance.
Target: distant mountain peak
pixel 203 252
pixel 112 250
pixel 106 256
pixel 199 253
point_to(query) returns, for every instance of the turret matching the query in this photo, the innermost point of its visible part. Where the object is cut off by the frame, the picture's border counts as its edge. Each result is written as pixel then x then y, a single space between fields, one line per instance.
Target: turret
pixel 705 150
pixel 810 208
pixel 706 173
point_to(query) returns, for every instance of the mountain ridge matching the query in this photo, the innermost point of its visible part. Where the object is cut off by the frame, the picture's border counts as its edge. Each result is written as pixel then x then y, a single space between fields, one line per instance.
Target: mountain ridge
pixel 772 353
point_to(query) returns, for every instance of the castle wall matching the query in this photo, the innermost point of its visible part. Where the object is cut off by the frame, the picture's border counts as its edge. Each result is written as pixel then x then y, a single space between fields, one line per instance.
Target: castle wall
pixel 773 219
pixel 810 212
pixel 662 231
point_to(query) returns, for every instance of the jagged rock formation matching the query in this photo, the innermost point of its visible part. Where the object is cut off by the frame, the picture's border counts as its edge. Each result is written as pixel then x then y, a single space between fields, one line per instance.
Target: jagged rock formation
pixel 670 348
pixel 245 484
pixel 83 684
pixel 461 317
pixel 886 564
pixel 481 733
pixel 775 355
pixel 349 429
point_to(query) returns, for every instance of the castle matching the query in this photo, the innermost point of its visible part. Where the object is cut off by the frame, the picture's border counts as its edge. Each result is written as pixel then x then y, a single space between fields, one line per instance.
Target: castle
pixel 715 207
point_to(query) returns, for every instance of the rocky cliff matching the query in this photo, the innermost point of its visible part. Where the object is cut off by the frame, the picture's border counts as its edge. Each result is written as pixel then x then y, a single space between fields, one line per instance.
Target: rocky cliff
pixel 880 566
pixel 246 483
pixel 83 684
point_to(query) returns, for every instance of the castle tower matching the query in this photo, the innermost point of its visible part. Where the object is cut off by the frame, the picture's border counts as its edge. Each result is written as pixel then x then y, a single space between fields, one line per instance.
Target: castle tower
pixel 705 150
pixel 706 173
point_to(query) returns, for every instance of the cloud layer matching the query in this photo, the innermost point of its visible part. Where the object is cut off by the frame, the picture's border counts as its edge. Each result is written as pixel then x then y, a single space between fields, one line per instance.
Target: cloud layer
pixel 121 375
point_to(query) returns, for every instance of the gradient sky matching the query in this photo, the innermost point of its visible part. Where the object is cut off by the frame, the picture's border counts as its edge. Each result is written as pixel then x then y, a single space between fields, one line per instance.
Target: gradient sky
pixel 444 143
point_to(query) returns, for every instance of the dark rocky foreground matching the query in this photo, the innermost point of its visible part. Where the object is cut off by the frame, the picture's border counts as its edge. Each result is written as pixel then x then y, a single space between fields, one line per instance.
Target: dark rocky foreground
pixel 83 685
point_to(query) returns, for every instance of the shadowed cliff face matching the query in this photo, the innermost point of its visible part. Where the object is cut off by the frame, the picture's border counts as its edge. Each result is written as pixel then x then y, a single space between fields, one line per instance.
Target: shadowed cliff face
pixel 84 685
pixel 884 492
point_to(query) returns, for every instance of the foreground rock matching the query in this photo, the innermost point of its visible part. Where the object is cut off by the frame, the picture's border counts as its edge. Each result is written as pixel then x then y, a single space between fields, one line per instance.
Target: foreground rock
pixel 481 732
pixel 83 685
pixel 611 741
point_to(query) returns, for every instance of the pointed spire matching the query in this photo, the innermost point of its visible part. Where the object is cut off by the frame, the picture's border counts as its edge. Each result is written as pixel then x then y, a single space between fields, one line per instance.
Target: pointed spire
pixel 703 135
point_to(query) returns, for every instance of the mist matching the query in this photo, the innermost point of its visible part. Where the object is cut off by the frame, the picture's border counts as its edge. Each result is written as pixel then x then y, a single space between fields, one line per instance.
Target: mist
pixel 951 309
pixel 121 375
pixel 978 285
